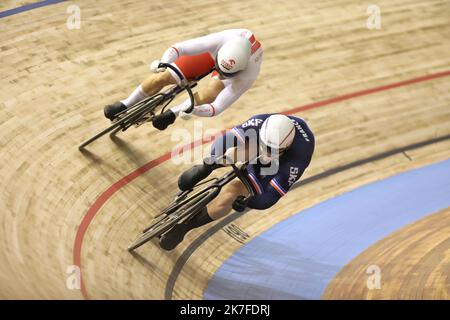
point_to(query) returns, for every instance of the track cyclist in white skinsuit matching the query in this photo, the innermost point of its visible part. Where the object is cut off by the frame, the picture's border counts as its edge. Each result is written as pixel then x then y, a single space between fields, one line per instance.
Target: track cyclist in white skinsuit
pixel 235 56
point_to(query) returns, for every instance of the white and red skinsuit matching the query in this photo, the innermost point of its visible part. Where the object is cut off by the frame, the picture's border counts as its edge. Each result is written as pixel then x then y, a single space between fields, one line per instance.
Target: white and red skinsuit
pixel 206 49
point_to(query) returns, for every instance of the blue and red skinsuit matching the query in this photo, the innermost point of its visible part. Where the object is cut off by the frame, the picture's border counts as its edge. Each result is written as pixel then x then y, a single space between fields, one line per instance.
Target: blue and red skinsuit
pixel 291 164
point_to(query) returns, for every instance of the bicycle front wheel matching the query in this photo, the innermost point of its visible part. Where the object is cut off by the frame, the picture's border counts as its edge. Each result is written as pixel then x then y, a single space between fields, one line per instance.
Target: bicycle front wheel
pixel 189 209
pixel 129 117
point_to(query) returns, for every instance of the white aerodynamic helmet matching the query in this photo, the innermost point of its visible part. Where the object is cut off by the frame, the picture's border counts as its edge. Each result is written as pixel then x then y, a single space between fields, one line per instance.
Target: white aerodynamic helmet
pixel 277 132
pixel 233 56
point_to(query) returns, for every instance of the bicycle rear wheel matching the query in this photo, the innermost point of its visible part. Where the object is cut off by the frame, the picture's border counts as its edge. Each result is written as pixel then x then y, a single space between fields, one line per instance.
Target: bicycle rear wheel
pixel 185 212
pixel 128 119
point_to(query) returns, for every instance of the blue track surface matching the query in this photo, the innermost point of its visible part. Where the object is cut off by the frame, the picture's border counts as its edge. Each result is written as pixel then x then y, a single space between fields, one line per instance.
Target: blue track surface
pixel 27 7
pixel 297 258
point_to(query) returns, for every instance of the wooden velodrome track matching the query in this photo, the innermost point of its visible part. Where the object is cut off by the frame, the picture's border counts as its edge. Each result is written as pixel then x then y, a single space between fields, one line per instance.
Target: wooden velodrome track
pixel 60 207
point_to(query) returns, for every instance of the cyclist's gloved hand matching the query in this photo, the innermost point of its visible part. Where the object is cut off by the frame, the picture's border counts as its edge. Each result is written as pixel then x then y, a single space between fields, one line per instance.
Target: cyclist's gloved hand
pixel 183 112
pixel 240 203
pixel 154 67
pixel 185 116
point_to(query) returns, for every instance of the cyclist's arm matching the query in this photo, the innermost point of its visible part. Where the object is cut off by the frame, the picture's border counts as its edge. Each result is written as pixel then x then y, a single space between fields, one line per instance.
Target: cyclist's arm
pixel 265 200
pixel 229 148
pixel 224 99
pixel 239 137
pixel 278 186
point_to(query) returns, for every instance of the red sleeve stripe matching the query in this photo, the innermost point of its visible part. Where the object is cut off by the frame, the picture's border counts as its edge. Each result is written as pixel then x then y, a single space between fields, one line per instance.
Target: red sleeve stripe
pixel 255 184
pixel 213 110
pixel 178 52
pixel 256 46
pixel 277 187
pixel 252 39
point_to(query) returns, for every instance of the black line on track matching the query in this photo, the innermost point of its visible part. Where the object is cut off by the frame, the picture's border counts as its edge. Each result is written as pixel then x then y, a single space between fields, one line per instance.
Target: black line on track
pixel 184 257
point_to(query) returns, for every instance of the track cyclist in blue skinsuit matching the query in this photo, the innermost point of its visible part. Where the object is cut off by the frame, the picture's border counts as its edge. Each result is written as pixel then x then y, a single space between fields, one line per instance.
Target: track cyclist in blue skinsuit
pixel 284 146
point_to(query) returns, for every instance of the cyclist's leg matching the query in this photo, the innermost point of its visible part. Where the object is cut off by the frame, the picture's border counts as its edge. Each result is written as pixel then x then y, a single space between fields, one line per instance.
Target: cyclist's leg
pixel 156 81
pixel 218 208
pixel 197 173
pixel 204 96
pixel 175 236
pixel 191 67
pixel 153 84
pixel 222 205
pixel 210 92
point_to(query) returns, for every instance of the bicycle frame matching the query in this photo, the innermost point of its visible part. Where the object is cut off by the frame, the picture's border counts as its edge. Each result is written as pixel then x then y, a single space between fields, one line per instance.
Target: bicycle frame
pixel 217 185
